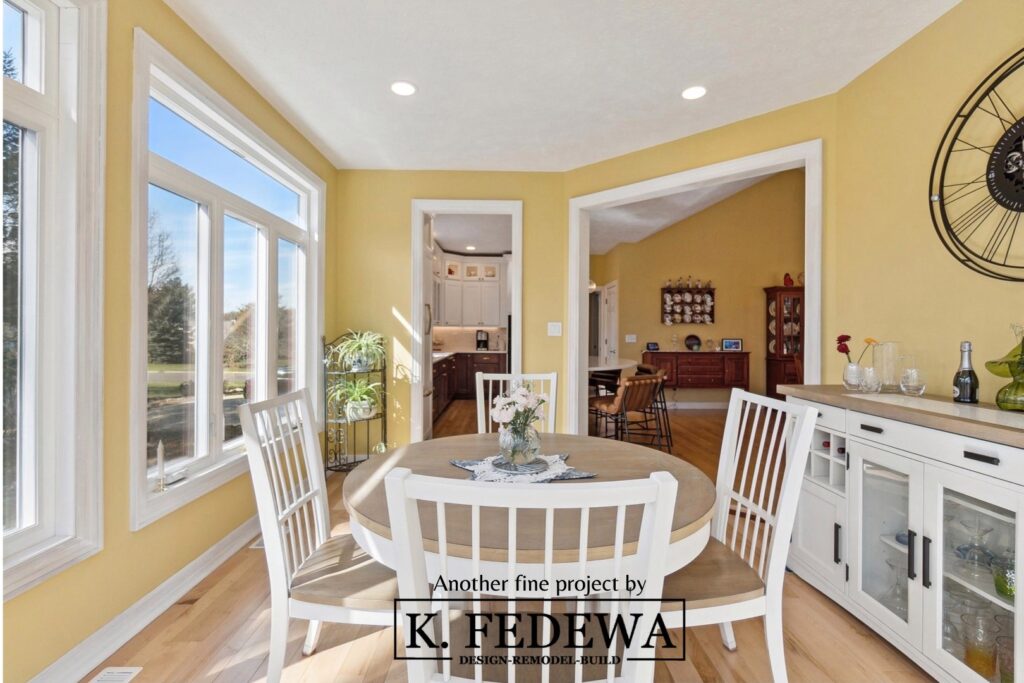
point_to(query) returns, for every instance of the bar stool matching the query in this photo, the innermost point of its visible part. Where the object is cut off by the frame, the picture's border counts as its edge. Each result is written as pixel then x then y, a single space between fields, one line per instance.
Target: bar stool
pixel 629 411
pixel 660 406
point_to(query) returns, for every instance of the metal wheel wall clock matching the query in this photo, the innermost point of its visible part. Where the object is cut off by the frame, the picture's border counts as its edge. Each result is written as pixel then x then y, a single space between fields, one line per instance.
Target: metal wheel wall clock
pixel 977 183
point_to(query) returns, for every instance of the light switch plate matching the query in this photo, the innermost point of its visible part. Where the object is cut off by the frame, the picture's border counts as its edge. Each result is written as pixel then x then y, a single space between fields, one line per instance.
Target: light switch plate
pixel 631 339
pixel 555 329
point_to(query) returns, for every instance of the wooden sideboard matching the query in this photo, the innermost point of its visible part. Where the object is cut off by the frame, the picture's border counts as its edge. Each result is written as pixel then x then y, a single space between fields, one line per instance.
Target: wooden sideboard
pixel 702 369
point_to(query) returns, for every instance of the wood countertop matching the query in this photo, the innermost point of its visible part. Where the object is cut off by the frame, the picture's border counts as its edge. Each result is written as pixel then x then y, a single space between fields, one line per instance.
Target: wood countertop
pixel 980 421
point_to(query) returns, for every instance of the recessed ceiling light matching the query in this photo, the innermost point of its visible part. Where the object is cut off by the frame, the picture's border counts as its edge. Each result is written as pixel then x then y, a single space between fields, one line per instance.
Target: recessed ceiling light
pixel 470 247
pixel 694 92
pixel 403 88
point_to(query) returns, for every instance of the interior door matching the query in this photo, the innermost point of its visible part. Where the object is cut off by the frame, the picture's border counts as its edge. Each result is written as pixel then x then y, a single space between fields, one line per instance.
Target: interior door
pixel 885 548
pixel 970 530
pixel 610 323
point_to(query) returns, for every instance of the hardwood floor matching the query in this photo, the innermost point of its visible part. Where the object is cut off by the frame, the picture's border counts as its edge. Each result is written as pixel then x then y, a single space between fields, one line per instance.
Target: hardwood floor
pixel 458 418
pixel 219 631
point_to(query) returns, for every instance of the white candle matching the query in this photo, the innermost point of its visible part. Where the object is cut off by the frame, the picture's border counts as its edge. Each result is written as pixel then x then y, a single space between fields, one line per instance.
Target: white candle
pixel 160 463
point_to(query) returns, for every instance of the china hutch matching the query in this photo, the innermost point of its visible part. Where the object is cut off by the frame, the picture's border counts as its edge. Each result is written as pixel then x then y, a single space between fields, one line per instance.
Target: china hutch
pixel 785 342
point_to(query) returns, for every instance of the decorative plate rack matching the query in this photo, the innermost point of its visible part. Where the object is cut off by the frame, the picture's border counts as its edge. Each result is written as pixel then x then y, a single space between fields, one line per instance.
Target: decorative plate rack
pixel 687 305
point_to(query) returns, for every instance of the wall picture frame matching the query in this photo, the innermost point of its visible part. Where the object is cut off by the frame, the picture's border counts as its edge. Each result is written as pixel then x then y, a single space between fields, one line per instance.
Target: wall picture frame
pixel 732 344
pixel 653 346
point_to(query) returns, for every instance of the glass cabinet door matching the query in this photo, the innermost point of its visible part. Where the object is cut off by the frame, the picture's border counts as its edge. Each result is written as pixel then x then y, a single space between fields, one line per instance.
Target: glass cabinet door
pixel 970 575
pixel 885 549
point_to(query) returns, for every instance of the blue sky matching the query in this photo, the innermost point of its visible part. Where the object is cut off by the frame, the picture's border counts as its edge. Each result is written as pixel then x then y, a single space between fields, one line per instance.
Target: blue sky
pixel 13 27
pixel 181 142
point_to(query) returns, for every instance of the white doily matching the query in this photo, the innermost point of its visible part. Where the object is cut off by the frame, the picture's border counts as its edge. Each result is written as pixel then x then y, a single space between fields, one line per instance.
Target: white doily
pixel 484 470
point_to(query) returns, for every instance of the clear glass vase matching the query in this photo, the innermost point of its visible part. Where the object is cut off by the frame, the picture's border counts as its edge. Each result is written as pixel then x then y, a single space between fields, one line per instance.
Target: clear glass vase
pixel 852 376
pixel 519 446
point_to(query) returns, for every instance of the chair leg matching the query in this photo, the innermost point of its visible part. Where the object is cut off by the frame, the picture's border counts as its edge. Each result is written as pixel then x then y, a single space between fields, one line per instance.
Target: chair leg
pixel 278 641
pixel 728 637
pixel 312 636
pixel 776 648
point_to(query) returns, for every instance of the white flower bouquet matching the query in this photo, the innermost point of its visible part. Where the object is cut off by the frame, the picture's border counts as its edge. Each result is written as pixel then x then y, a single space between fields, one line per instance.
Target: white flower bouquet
pixel 515 411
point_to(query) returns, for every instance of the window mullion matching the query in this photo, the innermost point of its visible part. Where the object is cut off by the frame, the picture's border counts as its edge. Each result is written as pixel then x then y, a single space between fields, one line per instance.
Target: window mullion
pixel 268 273
pixel 203 334
pixel 216 337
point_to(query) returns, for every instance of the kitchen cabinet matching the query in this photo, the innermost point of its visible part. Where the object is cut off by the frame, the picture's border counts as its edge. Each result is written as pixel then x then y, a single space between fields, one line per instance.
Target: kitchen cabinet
pixel 452 303
pixel 468 364
pixel 437 301
pixel 481 304
pixel 444 385
pixel 890 514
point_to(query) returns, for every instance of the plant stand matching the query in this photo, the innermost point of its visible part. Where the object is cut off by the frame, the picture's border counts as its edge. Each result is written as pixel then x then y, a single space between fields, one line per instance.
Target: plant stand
pixel 349 442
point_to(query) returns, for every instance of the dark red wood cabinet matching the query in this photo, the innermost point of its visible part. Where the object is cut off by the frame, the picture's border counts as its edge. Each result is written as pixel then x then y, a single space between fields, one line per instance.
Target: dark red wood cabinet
pixel 702 369
pixel 784 310
pixel 468 364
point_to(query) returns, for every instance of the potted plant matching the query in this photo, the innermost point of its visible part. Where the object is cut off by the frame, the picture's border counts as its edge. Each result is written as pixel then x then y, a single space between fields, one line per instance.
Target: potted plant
pixel 360 397
pixel 361 351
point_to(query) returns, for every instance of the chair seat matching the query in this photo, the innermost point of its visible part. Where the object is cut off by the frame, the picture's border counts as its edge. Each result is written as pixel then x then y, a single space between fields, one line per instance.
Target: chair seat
pixel 341 573
pixel 717 577
pixel 602 403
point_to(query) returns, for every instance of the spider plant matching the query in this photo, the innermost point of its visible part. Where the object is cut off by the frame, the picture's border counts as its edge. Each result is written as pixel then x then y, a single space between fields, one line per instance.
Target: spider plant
pixel 361 351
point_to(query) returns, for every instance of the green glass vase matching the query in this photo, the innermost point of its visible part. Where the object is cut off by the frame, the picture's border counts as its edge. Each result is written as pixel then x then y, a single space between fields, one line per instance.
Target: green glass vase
pixel 1011 397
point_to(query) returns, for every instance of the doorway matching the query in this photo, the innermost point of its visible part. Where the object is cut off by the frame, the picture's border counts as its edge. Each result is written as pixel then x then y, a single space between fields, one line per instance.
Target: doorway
pixel 806 155
pixel 465 292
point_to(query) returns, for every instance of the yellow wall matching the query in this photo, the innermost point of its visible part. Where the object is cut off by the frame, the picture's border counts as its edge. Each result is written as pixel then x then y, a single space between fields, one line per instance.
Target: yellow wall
pixel 372 257
pixel 885 273
pixel 43 623
pixel 742 244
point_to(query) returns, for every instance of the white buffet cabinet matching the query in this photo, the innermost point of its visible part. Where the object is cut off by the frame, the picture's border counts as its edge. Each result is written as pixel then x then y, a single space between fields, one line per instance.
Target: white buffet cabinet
pixel 883 521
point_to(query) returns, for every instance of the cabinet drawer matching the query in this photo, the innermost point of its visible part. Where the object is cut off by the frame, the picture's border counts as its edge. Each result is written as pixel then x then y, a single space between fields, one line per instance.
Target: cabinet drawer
pixel 701 380
pixel 484 358
pixel 984 457
pixel 699 361
pixel 829 417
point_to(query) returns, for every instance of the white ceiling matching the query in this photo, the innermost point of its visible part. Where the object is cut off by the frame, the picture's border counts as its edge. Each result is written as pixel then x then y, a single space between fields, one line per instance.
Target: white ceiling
pixel 636 221
pixel 490 234
pixel 535 84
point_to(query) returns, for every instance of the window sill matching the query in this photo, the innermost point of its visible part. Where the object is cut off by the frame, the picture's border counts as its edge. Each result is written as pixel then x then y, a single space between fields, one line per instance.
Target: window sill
pixel 148 506
pixel 37 564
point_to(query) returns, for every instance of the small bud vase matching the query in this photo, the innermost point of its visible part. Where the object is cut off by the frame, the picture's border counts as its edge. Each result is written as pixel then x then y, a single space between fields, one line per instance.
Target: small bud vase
pixel 519 447
pixel 853 375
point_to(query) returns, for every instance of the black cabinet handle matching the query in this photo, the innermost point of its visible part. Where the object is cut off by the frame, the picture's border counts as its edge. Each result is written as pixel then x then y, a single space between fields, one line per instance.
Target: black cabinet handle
pixel 872 428
pixel 911 538
pixel 835 542
pixel 926 569
pixel 980 457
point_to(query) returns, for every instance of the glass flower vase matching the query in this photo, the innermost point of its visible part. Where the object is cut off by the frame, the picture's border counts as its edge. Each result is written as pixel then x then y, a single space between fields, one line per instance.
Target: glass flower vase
pixel 1011 397
pixel 519 446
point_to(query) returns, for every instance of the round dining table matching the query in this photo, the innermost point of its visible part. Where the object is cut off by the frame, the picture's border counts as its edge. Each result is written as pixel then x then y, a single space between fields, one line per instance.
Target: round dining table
pixel 609 460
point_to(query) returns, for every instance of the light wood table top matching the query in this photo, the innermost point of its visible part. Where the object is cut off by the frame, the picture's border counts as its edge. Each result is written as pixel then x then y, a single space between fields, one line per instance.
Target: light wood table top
pixel 611 460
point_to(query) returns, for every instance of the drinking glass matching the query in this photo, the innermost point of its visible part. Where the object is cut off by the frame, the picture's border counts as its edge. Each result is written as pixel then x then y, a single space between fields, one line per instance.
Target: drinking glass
pixel 885 356
pixel 979 633
pixel 870 381
pixel 1004 646
pixel 912 381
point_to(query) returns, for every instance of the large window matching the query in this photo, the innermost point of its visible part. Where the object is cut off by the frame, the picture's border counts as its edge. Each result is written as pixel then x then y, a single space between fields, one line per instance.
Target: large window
pixel 52 286
pixel 226 305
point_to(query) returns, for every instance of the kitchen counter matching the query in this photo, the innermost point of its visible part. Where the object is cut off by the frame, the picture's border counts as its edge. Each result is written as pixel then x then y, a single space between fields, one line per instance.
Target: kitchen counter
pixel 981 421
pixel 441 355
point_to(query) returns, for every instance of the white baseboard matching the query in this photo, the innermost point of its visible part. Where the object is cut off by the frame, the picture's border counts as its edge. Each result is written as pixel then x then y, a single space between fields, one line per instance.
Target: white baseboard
pixel 698 405
pixel 88 654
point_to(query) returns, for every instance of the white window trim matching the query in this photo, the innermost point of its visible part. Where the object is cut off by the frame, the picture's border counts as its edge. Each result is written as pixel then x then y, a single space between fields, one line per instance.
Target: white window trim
pixel 157 69
pixel 70 316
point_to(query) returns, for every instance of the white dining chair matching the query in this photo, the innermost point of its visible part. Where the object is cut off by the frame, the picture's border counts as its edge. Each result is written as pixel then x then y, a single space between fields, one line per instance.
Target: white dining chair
pixel 491 384
pixel 739 574
pixel 455 504
pixel 313 575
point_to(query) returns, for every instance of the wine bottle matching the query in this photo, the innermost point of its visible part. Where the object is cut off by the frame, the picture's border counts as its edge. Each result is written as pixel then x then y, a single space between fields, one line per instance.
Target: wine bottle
pixel 965 381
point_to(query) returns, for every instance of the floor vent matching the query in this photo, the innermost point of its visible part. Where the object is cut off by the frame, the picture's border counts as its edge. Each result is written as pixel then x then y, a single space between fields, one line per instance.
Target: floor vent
pixel 117 674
